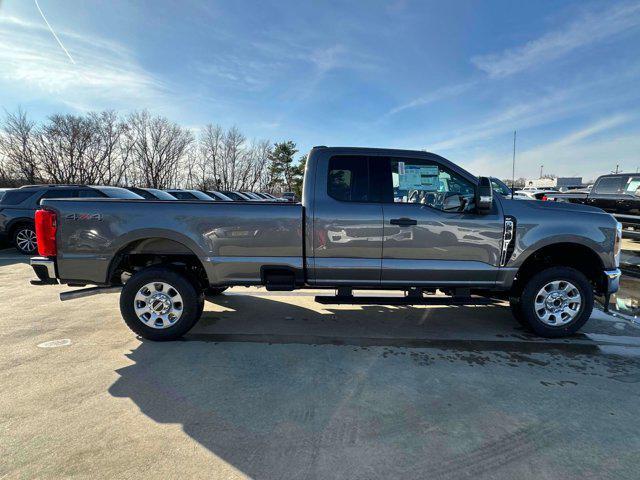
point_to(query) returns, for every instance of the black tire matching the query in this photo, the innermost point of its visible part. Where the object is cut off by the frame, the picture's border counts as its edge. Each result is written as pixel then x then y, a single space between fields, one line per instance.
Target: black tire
pixel 213 291
pixel 540 280
pixel 24 239
pixel 516 311
pixel 191 305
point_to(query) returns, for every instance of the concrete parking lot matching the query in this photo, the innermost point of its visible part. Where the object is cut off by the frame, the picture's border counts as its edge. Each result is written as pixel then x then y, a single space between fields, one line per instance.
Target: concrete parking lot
pixel 276 386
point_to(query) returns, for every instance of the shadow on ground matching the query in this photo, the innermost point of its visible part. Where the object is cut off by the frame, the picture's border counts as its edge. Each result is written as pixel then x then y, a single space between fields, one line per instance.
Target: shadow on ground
pixel 10 256
pixel 282 391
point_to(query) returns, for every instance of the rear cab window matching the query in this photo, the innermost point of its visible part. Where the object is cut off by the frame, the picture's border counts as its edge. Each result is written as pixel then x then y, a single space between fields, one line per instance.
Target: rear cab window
pixel 348 179
pixel 609 185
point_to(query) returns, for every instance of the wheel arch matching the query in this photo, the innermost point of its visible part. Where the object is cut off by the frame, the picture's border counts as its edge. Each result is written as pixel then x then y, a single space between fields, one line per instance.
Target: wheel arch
pixel 17 222
pixel 568 254
pixel 153 248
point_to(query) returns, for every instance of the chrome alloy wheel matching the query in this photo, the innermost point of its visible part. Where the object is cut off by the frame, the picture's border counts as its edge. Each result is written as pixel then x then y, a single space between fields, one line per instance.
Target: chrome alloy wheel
pixel 26 240
pixel 158 305
pixel 558 303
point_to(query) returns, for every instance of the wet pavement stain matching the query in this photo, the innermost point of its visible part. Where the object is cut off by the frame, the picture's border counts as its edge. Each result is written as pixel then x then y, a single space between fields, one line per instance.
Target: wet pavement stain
pixel 560 383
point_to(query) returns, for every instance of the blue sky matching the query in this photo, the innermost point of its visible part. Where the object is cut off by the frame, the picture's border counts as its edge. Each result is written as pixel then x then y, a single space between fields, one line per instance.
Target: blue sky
pixel 455 78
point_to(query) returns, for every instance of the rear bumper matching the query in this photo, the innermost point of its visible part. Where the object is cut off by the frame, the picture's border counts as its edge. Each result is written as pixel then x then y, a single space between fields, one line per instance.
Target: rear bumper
pixel 612 280
pixel 45 270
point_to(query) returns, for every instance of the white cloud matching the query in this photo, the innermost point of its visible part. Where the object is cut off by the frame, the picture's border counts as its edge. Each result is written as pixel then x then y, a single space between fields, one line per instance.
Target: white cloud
pixel 590 151
pixel 434 96
pixel 105 75
pixel 573 145
pixel 590 28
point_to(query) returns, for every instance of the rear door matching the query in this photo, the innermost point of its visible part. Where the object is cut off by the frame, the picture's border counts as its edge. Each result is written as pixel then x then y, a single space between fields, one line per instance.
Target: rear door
pixel 347 223
pixel 432 233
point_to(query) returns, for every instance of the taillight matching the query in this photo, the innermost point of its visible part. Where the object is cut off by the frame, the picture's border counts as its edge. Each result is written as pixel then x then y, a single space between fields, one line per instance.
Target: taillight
pixel 46 226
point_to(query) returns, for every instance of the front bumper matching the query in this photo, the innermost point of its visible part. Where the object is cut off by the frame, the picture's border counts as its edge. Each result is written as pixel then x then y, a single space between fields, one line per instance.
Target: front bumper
pixel 612 280
pixel 45 270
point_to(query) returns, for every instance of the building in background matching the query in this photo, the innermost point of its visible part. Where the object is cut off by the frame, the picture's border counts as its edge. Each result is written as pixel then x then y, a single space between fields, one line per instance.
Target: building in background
pixel 558 182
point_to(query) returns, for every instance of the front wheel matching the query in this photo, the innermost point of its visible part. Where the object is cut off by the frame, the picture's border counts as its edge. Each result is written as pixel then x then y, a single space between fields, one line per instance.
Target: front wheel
pixel 159 303
pixel 557 302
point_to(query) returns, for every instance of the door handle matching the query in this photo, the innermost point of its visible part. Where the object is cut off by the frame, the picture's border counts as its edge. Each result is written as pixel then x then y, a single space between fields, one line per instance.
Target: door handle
pixel 403 222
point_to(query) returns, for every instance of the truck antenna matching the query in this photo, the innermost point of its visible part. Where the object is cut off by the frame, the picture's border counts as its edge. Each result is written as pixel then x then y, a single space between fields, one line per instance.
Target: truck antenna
pixel 513 166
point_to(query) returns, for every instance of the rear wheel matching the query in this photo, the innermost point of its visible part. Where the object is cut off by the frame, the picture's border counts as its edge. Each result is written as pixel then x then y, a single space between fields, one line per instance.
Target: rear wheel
pixel 24 238
pixel 159 303
pixel 557 302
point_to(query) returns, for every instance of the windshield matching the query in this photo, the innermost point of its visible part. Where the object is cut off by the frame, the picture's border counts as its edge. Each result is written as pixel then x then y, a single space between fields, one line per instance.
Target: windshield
pixel 632 185
pixel 500 187
pixel 160 194
pixel 116 192
pixel 201 195
pixel 220 196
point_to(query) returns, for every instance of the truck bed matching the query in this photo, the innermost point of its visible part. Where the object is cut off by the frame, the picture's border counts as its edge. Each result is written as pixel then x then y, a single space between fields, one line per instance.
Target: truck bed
pixel 232 240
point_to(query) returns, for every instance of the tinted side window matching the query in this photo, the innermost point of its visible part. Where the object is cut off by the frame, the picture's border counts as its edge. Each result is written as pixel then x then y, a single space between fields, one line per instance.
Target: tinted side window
pixel 60 193
pixel 348 179
pixel 609 185
pixel 90 193
pixel 15 197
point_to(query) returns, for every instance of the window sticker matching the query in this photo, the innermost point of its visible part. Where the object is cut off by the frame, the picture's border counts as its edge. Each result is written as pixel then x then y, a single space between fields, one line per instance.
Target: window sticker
pixel 416 177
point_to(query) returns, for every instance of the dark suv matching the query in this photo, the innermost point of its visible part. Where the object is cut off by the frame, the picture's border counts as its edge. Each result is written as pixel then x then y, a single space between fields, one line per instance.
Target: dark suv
pixel 18 206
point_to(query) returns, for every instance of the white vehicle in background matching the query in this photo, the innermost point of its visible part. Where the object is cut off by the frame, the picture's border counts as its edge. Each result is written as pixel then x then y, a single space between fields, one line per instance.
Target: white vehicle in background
pixel 528 192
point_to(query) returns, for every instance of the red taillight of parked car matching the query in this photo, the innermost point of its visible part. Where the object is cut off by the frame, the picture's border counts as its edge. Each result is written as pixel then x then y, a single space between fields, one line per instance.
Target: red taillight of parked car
pixel 46 226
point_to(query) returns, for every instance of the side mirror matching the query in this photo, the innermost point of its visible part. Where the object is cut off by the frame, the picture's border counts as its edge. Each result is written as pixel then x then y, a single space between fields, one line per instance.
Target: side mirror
pixel 453 203
pixel 484 195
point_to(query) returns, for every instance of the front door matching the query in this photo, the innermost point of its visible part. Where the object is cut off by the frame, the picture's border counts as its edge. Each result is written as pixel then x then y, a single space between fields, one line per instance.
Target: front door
pixel 432 233
pixel 347 223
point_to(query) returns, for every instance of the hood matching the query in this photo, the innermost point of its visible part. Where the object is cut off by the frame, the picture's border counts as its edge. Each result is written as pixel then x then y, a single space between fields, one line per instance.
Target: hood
pixel 561 206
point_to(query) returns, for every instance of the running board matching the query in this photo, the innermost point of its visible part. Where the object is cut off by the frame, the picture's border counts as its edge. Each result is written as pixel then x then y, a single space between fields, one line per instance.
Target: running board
pixel 408 300
pixel 87 292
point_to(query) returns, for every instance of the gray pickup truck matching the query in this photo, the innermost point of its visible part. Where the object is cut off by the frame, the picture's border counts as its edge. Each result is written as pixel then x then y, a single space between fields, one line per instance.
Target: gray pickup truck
pixel 370 219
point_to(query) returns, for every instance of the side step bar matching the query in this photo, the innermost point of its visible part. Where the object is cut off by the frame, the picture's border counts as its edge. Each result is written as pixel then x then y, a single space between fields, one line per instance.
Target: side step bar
pixel 351 300
pixel 413 297
pixel 87 292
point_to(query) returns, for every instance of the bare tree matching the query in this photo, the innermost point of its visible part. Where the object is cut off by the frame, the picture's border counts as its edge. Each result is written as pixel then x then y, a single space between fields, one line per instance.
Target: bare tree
pixel 146 150
pixel 17 147
pixel 257 159
pixel 231 153
pixel 209 157
pixel 111 147
pixel 159 148
pixel 65 147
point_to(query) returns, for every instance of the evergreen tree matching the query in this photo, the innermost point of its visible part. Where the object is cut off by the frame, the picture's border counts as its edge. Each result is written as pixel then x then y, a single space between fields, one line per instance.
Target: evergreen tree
pixel 281 168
